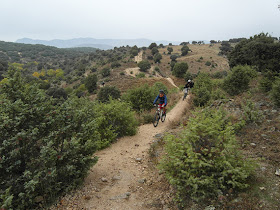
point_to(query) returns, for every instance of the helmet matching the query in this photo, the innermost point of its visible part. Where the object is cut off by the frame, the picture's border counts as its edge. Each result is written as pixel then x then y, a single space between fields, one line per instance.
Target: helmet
pixel 189 80
pixel 161 91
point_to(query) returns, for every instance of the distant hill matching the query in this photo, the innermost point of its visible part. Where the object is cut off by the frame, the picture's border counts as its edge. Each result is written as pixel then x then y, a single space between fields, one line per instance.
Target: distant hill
pixel 103 44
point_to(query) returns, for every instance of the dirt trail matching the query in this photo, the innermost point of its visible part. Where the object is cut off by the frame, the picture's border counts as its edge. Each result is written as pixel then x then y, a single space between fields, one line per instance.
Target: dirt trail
pixel 113 183
pixel 139 57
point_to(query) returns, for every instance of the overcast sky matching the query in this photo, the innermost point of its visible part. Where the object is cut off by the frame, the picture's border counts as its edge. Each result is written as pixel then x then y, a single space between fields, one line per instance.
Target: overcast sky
pixel 172 20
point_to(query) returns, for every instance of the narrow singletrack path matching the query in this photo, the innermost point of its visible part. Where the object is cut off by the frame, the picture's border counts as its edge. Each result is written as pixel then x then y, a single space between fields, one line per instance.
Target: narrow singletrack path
pixel 113 183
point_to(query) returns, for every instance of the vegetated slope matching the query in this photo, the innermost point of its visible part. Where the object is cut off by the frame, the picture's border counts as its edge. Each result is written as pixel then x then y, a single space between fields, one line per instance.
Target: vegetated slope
pixel 16 52
pixel 121 178
pixel 196 58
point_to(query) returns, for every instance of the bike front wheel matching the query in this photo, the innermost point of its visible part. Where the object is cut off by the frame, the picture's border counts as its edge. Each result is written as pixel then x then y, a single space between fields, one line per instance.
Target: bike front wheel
pixel 163 116
pixel 156 119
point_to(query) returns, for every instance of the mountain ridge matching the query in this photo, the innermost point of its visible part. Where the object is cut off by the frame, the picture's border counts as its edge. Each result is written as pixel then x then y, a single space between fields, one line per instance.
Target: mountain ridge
pixel 103 44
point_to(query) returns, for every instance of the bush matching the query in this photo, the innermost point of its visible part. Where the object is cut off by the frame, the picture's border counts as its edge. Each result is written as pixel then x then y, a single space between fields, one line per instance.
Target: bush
pixel 250 113
pixel 173 57
pixel 114 119
pixel 180 69
pixel 140 75
pixel 154 50
pixel 106 92
pixel 90 82
pixel 188 76
pixel 105 72
pixel 157 57
pixel 115 64
pixel 159 86
pixel 144 65
pixel 202 89
pixel 185 49
pixel 152 45
pixel 275 92
pixel 45 149
pixel 56 92
pixel 219 75
pixel 204 160
pixel 218 94
pixel 141 98
pixel 238 80
pixel 208 63
pixel 170 50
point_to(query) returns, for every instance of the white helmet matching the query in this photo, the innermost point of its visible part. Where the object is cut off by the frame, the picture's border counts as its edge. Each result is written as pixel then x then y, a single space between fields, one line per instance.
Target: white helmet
pixel 189 80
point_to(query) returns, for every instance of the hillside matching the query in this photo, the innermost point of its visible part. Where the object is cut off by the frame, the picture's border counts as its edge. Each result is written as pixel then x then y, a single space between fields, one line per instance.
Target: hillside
pixel 64 109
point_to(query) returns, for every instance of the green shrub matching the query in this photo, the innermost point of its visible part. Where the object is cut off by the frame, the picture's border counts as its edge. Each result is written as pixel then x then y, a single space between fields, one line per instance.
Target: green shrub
pixel 115 64
pixel 106 92
pixel 208 63
pixel 122 73
pixel 114 119
pixel 157 57
pixel 219 74
pixel 105 72
pixel 275 92
pixel 140 75
pixel 267 80
pixel 238 80
pixel 144 65
pixel 45 148
pixel 180 69
pixel 218 94
pixel 202 89
pixel 250 113
pixel 159 86
pixel 141 98
pixel 204 160
pixel 90 82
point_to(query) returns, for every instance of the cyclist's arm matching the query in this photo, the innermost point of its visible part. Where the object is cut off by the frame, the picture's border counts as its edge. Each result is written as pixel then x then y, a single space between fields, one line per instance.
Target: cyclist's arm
pixel 156 99
pixel 165 100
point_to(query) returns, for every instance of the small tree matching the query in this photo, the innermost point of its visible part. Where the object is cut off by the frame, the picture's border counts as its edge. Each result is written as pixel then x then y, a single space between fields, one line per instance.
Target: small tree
pixel 152 45
pixel 155 50
pixel 106 92
pixel 173 57
pixel 185 49
pixel 170 50
pixel 180 69
pixel 238 80
pixel 157 57
pixel 144 65
pixel 90 82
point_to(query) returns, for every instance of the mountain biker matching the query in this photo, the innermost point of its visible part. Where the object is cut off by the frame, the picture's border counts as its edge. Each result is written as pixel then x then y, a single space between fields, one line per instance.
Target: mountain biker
pixel 187 87
pixel 162 100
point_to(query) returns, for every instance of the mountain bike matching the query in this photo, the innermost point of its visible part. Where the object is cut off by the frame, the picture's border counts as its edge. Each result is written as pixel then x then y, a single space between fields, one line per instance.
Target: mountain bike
pixel 186 92
pixel 159 115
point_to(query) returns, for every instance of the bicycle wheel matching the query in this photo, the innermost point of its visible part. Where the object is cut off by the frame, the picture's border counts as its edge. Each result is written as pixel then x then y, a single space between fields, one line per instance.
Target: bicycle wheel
pixel 163 116
pixel 156 119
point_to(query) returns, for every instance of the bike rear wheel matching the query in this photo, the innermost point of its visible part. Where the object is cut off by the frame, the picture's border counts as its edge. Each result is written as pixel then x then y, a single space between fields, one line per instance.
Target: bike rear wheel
pixel 156 119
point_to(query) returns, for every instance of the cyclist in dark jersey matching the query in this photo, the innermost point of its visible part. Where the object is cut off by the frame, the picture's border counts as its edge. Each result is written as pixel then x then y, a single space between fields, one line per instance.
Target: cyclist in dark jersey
pixel 162 100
